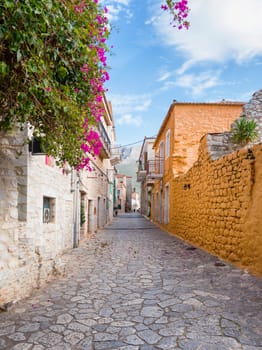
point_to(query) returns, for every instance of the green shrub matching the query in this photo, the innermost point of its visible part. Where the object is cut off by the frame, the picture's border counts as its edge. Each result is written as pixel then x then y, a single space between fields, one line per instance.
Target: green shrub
pixel 244 131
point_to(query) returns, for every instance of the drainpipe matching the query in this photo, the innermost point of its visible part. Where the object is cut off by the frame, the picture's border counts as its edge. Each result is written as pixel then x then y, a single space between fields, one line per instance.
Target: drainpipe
pixel 76 214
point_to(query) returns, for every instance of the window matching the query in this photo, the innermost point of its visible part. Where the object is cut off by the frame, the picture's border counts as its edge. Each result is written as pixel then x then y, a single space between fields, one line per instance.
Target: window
pixel 48 210
pixel 161 157
pixel 157 207
pixel 168 143
pixel 167 204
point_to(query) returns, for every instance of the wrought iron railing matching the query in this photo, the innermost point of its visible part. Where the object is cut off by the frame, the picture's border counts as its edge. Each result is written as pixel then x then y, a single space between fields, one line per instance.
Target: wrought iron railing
pixel 155 168
pixel 104 137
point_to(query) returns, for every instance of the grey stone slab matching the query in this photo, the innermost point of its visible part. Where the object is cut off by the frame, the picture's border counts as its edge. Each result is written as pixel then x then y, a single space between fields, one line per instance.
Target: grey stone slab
pixel 169 302
pixel 127 331
pixel 85 344
pixel 168 331
pixel 22 346
pixel 106 312
pixel 73 338
pixel 168 343
pixel 61 346
pixel 151 311
pixel 7 330
pixel 122 323
pixel 35 336
pixel 144 286
pixel 17 336
pixel 149 336
pixel 105 337
pixel 4 324
pixel 113 330
pixel 50 339
pixel 106 345
pixel 79 327
pixel 38 347
pixel 2 344
pixel 134 340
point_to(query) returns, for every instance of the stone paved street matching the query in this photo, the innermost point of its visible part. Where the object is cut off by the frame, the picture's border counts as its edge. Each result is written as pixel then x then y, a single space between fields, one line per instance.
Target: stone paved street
pixel 134 287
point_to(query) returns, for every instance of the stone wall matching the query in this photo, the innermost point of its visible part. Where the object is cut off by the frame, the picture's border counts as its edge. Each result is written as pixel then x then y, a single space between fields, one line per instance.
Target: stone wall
pixel 216 206
pixel 253 110
pixel 11 228
pixel 30 248
pixel 194 120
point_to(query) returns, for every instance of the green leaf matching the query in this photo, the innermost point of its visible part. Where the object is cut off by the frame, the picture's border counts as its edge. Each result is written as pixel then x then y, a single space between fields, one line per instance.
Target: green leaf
pixel 18 55
pixel 4 68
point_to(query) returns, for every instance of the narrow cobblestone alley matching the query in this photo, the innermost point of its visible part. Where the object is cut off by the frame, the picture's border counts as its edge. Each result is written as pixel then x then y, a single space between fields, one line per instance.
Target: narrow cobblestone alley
pixel 135 287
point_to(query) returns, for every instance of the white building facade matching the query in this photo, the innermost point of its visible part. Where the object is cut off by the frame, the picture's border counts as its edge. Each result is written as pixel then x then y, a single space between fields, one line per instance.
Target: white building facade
pixel 146 156
pixel 45 210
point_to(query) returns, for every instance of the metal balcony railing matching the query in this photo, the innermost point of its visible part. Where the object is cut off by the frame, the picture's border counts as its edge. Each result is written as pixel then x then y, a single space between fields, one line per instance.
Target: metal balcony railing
pixel 115 151
pixel 155 168
pixel 141 175
pixel 105 139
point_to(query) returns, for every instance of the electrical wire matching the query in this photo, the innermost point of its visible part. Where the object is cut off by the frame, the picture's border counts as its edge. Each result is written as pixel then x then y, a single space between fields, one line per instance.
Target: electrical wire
pixel 131 144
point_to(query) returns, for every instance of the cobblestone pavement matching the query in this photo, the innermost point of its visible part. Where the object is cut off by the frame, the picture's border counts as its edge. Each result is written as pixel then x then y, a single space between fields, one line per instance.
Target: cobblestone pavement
pixel 134 287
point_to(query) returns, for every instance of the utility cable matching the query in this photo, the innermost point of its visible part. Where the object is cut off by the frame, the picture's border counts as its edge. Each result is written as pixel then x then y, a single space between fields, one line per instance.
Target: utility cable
pixel 131 144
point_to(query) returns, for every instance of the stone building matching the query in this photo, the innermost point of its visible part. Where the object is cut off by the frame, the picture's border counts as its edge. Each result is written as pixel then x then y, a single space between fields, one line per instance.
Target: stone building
pixel 45 210
pixel 36 217
pixel 146 157
pixel 121 193
pixel 97 187
pixel 207 190
pixel 135 201
pixel 177 142
pixel 129 189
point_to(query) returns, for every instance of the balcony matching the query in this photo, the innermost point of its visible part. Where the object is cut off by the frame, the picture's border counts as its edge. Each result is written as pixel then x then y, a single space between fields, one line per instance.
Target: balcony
pixel 141 175
pixel 115 154
pixel 105 151
pixel 155 168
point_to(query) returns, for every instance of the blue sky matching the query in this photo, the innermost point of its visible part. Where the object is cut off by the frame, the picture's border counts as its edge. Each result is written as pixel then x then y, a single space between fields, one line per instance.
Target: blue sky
pixel 152 63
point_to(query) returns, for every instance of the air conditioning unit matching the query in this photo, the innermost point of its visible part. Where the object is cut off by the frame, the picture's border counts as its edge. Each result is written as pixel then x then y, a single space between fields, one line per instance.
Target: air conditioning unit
pixel 46 215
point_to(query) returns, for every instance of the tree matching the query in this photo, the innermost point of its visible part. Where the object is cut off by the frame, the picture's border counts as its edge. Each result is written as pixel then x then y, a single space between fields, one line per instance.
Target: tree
pixel 52 71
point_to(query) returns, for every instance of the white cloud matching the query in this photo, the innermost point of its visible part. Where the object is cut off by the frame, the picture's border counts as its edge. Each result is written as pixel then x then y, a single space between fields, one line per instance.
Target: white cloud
pixel 220 30
pixel 164 76
pixel 195 83
pixel 125 108
pixel 127 104
pixel 143 105
pixel 128 119
pixel 117 8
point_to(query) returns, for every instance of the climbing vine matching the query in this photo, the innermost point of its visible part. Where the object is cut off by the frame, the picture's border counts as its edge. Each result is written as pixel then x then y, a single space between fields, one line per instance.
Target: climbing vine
pixel 52 73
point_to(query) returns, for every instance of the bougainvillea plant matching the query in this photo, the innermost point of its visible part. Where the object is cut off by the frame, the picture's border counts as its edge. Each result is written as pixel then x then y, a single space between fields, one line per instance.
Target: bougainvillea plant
pixel 52 73
pixel 179 12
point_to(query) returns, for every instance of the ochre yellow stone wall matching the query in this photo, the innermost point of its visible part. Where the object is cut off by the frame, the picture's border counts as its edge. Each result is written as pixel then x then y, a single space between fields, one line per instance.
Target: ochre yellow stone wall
pixel 217 205
pixel 192 122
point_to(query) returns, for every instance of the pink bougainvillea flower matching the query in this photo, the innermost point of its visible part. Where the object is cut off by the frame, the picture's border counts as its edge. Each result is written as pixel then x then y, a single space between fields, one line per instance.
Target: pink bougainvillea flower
pixel 179 11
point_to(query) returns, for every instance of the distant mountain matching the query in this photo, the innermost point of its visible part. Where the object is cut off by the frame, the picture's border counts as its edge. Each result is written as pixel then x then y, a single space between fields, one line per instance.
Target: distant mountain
pixel 128 165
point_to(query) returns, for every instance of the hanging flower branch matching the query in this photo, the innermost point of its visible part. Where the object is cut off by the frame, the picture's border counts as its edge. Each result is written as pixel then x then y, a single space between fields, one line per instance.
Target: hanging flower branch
pixel 179 11
pixel 52 73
